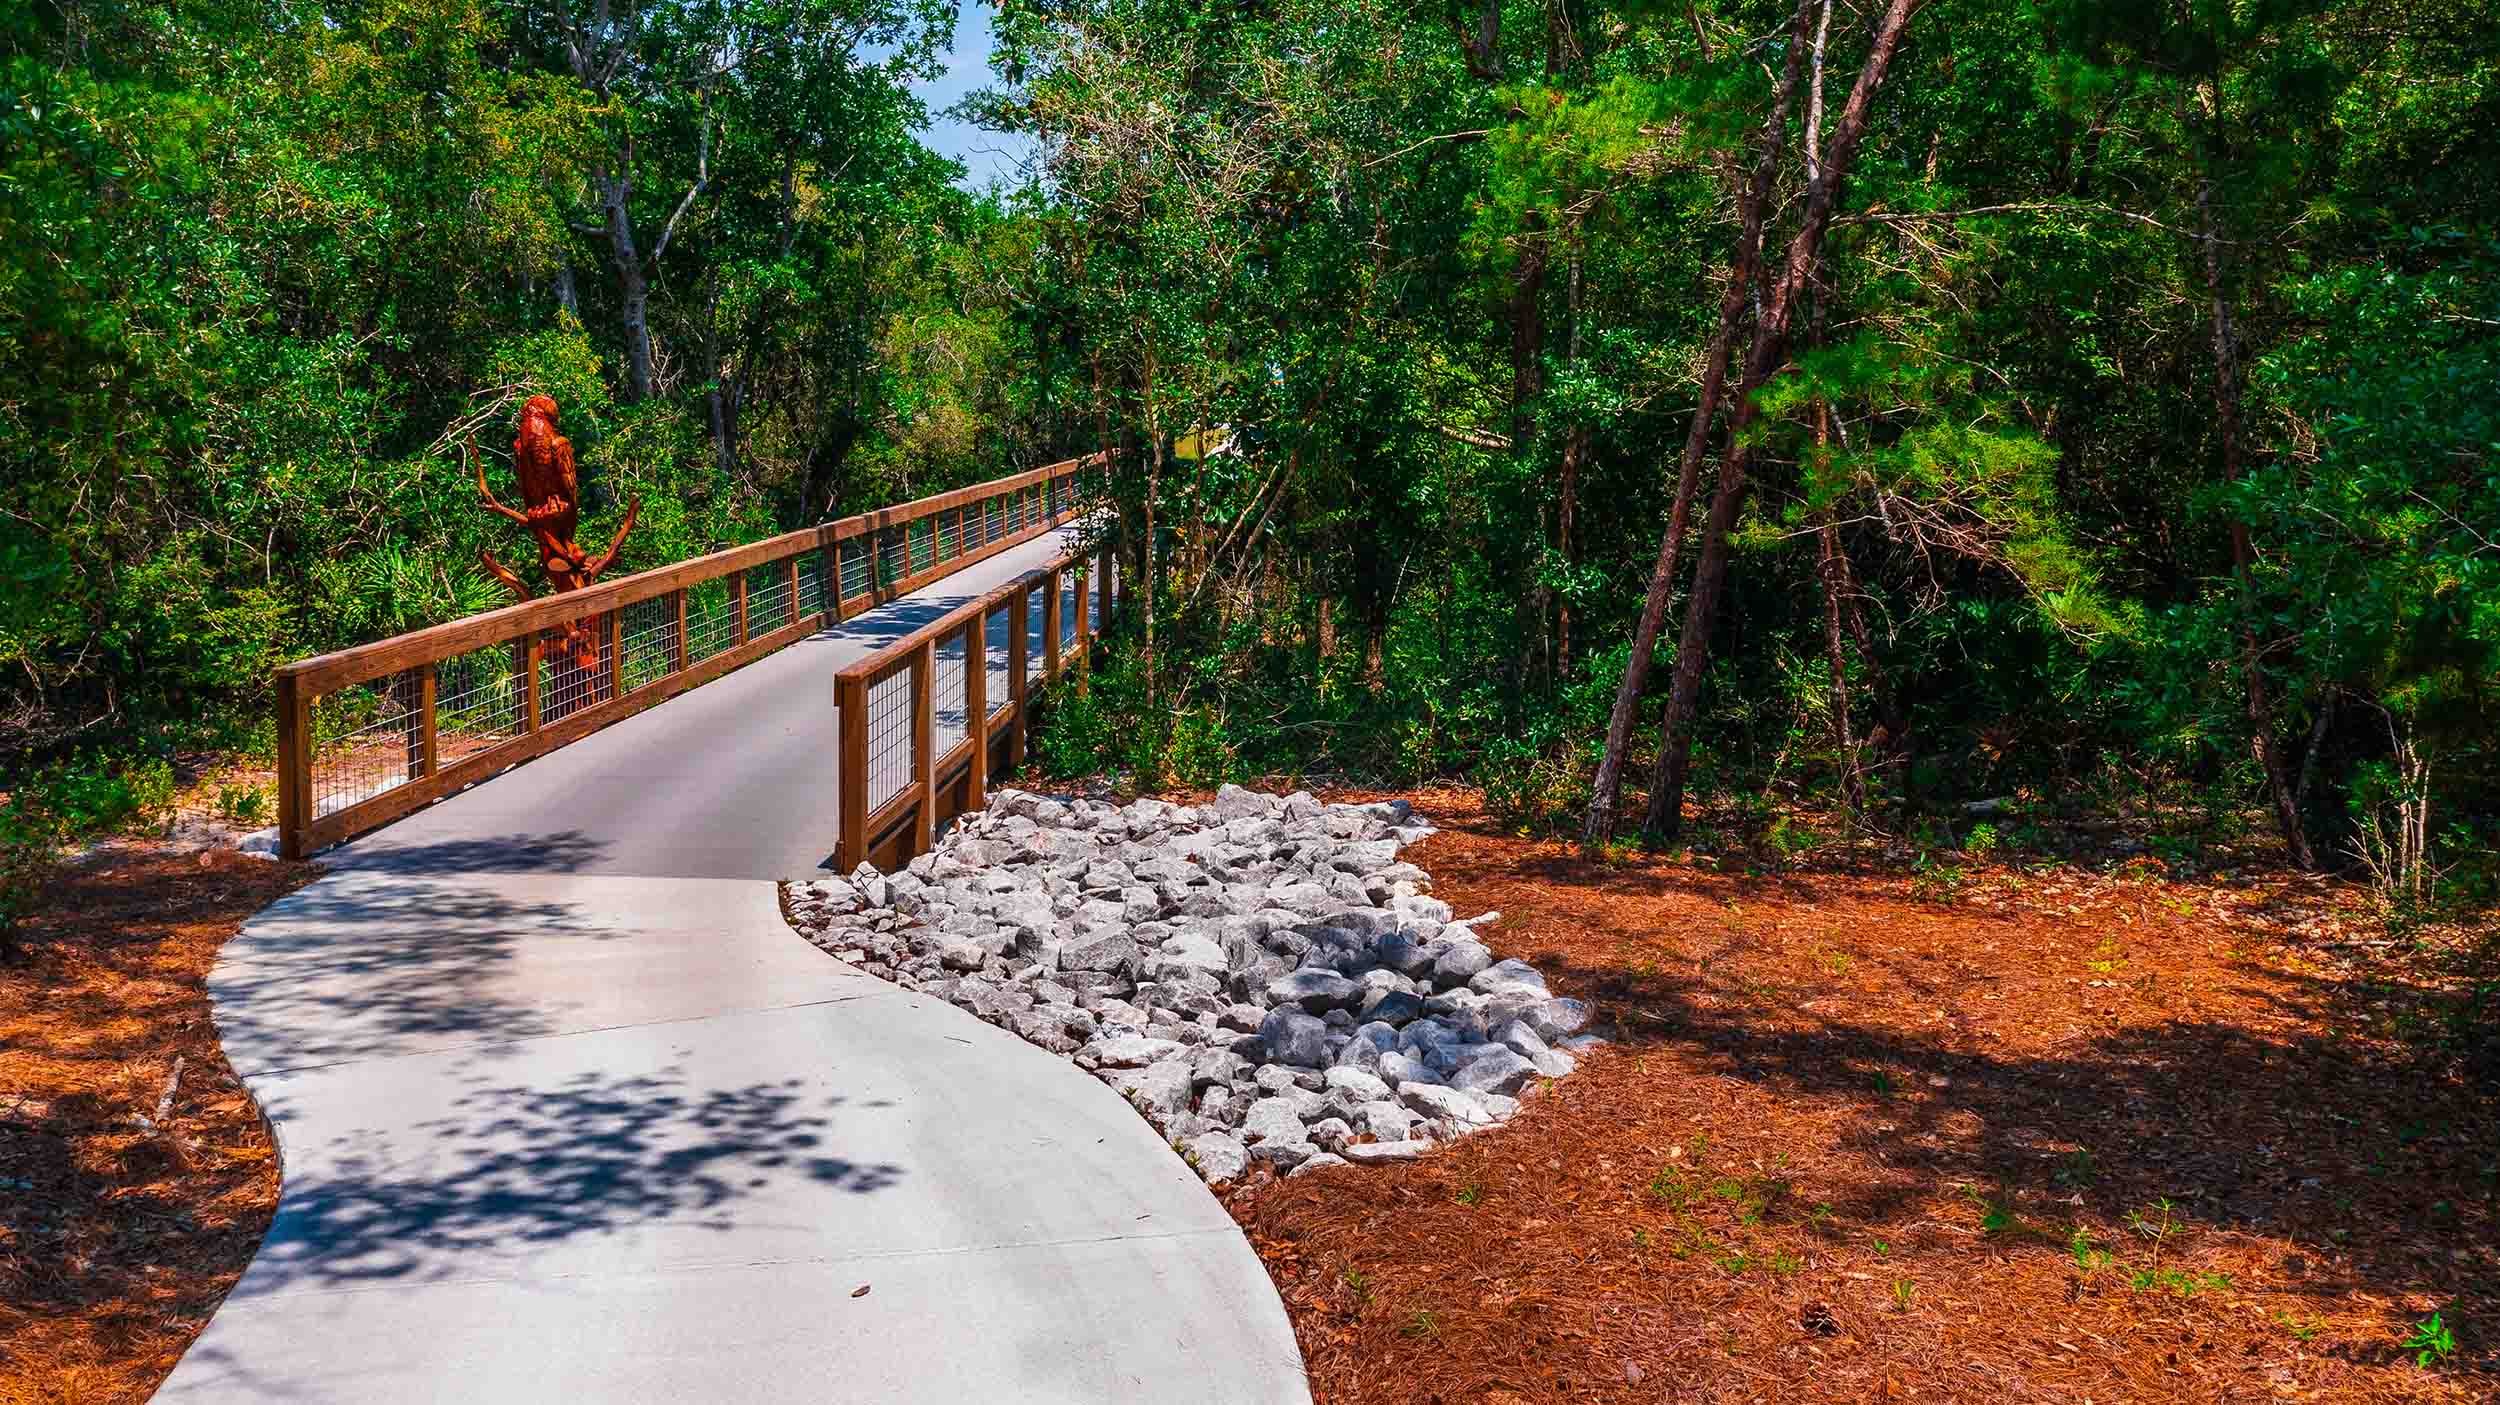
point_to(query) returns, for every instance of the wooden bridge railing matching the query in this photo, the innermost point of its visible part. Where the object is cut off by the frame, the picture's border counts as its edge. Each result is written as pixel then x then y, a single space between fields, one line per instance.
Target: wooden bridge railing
pixel 369 733
pixel 925 721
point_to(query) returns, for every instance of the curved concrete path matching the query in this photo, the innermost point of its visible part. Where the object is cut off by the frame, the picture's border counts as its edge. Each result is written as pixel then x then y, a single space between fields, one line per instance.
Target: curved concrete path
pixel 554 1130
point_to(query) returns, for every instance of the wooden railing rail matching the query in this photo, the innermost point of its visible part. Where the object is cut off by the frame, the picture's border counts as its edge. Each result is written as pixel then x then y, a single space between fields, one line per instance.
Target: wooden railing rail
pixel 369 733
pixel 916 749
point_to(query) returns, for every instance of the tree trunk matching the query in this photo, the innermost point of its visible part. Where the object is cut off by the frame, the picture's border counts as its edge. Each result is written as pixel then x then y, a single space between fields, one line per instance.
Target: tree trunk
pixel 1770 347
pixel 1752 203
pixel 2260 702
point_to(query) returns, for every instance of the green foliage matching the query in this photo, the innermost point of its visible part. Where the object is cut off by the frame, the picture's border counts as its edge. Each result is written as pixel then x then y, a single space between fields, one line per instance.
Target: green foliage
pixel 2431 1342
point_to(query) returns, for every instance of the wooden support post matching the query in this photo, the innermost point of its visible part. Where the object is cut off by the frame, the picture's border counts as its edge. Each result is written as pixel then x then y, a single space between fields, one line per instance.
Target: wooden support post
pixel 850 775
pixel 738 588
pixel 531 650
pixel 1102 586
pixel 793 617
pixel 923 746
pixel 977 709
pixel 295 742
pixel 429 745
pixel 677 646
pixel 1084 636
pixel 1050 631
pixel 616 654
pixel 1019 633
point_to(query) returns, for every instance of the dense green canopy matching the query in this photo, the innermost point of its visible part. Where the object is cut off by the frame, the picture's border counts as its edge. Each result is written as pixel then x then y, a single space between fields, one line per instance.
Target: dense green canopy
pixel 2108 408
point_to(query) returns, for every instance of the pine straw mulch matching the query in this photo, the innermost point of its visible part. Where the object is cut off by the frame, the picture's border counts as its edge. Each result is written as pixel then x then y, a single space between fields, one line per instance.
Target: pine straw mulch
pixel 122 1226
pixel 1851 1128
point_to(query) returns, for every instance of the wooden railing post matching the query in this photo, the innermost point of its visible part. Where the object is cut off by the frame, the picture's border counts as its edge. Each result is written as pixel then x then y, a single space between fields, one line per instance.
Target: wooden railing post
pixel 616 654
pixel 923 746
pixel 1019 634
pixel 1050 632
pixel 850 775
pixel 295 743
pixel 1084 636
pixel 429 745
pixel 531 649
pixel 794 590
pixel 977 709
pixel 738 589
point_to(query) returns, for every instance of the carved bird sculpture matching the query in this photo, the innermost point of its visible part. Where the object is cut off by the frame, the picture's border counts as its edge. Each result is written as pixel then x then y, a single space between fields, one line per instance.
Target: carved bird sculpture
pixel 542 460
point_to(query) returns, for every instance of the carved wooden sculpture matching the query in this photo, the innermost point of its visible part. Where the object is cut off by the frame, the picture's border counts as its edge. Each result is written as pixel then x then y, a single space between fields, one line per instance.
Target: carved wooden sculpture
pixel 542 460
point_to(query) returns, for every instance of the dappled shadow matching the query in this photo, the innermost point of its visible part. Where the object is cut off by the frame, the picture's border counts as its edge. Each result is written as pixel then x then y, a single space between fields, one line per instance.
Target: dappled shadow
pixel 2303 1137
pixel 1957 1059
pixel 364 962
pixel 566 851
pixel 511 1170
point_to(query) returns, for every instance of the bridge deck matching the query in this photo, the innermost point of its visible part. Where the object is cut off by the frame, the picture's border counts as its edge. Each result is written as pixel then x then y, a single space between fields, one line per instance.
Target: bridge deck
pixel 734 779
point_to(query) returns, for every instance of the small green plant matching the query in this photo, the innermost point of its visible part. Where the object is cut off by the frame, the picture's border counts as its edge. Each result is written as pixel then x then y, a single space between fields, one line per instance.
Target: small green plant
pixel 1783 1262
pixel 1882 1249
pixel 1883 1084
pixel 2431 1342
pixel 1668 1185
pixel 2185 1284
pixel 2076 1170
pixel 1981 841
pixel 2303 1329
pixel 1640 1239
pixel 1904 1293
pixel 1471 1194
pixel 1423 1325
pixel 2158 1224
pixel 242 804
pixel 2087 1256
pixel 1932 880
pixel 1358 1284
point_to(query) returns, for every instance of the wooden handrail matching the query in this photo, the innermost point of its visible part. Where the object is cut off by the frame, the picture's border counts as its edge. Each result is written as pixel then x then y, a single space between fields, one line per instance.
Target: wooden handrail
pixel 325 673
pixel 561 701
pixel 891 831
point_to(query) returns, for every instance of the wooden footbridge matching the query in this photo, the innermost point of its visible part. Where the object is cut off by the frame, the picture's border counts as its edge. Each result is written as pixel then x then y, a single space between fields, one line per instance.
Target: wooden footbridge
pixel 903 651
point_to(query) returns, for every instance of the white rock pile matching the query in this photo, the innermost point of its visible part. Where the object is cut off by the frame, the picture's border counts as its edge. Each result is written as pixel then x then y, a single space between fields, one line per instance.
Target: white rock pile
pixel 1261 976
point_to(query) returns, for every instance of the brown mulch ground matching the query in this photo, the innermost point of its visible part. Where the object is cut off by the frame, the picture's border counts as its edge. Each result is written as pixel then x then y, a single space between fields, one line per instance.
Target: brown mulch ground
pixel 120 1229
pixel 1853 1126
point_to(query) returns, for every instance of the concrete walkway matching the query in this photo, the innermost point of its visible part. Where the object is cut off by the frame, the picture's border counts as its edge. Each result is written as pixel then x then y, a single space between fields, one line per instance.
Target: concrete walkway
pixel 554 1129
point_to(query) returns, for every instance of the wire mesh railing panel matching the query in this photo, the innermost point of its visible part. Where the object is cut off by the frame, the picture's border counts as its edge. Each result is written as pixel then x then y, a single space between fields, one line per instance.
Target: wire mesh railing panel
pixel 480 702
pixel 1036 624
pixel 365 741
pixel 711 620
pixel 889 557
pixel 1093 592
pixel 923 544
pixel 811 584
pixel 647 635
pixel 890 761
pixel 573 667
pixel 769 605
pixel 853 567
pixel 1071 603
pixel 997 637
pixel 950 537
pixel 950 719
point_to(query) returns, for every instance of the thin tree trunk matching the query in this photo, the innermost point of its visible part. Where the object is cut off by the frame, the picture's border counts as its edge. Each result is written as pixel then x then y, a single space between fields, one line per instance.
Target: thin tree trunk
pixel 2260 701
pixel 1832 563
pixel 1752 203
pixel 1770 347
